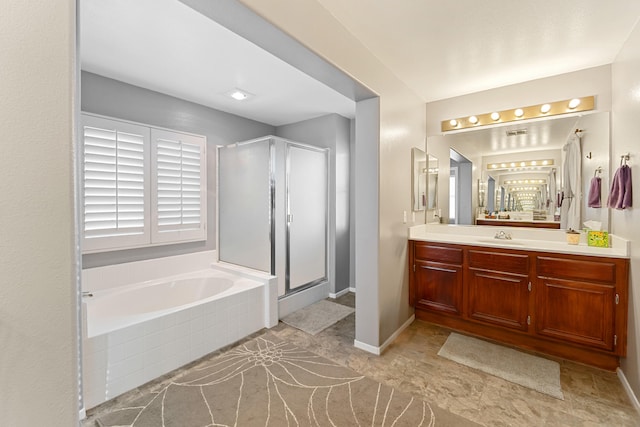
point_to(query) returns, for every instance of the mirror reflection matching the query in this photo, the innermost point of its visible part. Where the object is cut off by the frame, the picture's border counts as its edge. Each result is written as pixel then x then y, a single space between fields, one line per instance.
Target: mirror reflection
pixel 419 179
pixel 432 182
pixel 519 173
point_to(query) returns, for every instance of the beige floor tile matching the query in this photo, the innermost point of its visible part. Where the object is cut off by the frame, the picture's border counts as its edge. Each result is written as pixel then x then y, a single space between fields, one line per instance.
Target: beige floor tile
pixel 592 397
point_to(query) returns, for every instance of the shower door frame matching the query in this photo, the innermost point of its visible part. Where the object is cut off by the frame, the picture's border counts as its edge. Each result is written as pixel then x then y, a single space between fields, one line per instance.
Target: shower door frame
pixel 273 210
pixel 325 277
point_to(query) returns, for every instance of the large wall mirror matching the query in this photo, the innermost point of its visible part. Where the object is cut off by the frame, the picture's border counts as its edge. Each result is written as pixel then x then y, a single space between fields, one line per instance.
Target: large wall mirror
pixel 518 169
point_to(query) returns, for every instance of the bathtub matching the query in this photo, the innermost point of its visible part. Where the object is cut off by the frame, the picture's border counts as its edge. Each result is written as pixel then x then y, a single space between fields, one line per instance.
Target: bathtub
pixel 114 309
pixel 136 332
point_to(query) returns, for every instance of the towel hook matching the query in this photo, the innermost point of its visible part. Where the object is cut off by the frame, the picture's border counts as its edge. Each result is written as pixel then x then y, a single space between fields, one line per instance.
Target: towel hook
pixel 624 158
pixel 598 170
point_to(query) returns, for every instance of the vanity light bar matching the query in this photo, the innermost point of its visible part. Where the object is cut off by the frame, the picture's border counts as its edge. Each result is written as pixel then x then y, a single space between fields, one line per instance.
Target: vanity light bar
pixel 520 164
pixel 527 181
pixel 567 106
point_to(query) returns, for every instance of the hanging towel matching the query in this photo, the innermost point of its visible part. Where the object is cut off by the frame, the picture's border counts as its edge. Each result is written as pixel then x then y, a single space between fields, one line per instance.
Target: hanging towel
pixel 594 192
pixel 620 195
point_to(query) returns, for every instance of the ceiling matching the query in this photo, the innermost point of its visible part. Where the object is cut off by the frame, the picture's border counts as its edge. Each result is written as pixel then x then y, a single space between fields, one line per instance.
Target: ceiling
pixel 440 49
pixel 165 46
pixel 443 49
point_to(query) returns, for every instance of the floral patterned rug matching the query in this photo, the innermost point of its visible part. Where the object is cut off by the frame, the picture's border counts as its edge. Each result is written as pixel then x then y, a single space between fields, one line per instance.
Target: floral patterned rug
pixel 268 382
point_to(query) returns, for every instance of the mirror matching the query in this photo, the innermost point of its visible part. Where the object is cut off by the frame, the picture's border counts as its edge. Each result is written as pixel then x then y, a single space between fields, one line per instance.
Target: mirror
pixel 418 179
pixel 432 182
pixel 506 178
pixel 424 180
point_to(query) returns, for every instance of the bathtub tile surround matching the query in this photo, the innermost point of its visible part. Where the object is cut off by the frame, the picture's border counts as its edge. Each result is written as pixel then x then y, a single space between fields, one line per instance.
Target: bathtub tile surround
pixel 133 354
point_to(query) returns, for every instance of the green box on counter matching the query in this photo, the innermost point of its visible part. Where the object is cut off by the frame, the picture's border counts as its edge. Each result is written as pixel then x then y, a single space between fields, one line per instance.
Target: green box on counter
pixel 598 238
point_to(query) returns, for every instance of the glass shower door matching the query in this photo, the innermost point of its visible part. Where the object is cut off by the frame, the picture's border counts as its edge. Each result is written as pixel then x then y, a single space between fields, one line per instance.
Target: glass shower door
pixel 307 216
pixel 245 209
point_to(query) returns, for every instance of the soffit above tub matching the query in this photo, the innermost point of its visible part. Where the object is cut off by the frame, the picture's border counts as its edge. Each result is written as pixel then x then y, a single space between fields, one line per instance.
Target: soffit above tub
pixel 166 46
pixel 443 49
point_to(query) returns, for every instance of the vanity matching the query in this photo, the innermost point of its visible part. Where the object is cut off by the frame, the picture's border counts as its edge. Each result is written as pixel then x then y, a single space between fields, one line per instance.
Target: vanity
pixel 523 287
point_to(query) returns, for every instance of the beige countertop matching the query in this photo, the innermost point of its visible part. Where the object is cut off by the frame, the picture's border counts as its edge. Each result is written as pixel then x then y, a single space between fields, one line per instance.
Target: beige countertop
pixel 522 238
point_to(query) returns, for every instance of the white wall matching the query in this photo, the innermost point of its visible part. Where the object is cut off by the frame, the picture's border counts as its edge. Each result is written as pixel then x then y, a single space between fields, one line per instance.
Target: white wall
pixel 402 123
pixel 625 136
pixel 38 266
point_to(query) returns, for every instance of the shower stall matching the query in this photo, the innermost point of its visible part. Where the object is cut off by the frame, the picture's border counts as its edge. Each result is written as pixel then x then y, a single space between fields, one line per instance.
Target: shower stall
pixel 273 210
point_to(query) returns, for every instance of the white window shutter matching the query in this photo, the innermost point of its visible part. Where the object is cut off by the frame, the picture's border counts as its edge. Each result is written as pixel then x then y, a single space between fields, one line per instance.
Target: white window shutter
pixel 179 186
pixel 115 184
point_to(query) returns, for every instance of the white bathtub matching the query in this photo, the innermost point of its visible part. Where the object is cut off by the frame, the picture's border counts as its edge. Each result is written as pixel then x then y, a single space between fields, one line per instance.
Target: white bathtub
pixel 134 333
pixel 113 309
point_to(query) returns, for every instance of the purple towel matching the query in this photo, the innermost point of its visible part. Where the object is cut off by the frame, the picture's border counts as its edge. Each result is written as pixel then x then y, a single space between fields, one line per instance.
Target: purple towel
pixel 620 196
pixel 594 192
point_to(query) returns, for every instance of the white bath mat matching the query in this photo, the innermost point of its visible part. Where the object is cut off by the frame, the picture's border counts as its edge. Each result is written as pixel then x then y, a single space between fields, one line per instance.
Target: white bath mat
pixel 317 317
pixel 530 371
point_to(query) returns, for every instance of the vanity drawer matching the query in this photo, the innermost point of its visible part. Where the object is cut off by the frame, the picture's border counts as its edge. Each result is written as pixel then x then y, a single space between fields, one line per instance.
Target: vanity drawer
pixel 562 268
pixel 430 252
pixel 499 261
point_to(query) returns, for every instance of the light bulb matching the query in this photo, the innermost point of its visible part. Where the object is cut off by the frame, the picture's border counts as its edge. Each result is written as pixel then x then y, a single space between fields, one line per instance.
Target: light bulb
pixel 473 120
pixel 453 122
pixel 519 112
pixel 495 116
pixel 545 108
pixel 574 103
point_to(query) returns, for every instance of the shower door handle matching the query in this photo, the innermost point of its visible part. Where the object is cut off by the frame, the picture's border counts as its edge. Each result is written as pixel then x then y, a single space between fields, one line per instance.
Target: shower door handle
pixel 290 218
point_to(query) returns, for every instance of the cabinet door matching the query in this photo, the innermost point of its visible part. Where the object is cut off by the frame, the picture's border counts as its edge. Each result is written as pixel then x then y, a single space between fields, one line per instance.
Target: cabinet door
pixel 498 288
pixel 499 298
pixel 576 311
pixel 439 286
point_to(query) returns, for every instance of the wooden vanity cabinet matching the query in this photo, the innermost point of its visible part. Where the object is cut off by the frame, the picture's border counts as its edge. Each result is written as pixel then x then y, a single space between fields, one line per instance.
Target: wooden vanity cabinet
pixel 438 278
pixel 572 306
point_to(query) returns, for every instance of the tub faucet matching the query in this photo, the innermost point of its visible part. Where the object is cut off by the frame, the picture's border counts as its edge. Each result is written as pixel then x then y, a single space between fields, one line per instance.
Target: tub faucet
pixel 502 235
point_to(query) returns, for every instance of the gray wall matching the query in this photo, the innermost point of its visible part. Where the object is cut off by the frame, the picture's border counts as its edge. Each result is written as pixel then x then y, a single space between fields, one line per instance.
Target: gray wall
pixel 108 97
pixel 331 131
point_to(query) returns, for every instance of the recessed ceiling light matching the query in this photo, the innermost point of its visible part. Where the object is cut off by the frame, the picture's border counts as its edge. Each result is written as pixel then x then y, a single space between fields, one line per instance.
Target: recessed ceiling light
pixel 239 94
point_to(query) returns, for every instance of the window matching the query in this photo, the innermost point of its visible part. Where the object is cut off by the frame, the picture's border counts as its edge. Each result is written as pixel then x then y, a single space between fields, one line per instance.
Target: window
pixel 142 186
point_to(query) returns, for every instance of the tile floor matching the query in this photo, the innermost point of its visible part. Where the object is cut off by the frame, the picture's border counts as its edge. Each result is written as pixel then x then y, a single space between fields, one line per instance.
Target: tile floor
pixel 592 397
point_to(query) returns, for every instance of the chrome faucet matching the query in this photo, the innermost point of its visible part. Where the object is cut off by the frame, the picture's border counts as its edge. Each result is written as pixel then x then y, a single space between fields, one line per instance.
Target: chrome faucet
pixel 502 235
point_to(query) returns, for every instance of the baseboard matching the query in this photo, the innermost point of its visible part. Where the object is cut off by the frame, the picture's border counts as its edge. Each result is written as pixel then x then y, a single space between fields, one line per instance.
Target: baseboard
pixel 378 350
pixel 352 289
pixel 366 347
pixel 628 389
pixel 339 293
pixel 393 336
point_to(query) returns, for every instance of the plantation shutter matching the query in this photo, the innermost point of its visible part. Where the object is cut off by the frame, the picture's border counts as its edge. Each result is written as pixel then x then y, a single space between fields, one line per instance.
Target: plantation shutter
pixel 115 184
pixel 180 183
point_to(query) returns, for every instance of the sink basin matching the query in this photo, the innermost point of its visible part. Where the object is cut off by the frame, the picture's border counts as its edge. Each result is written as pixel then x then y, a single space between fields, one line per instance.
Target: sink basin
pixel 501 241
